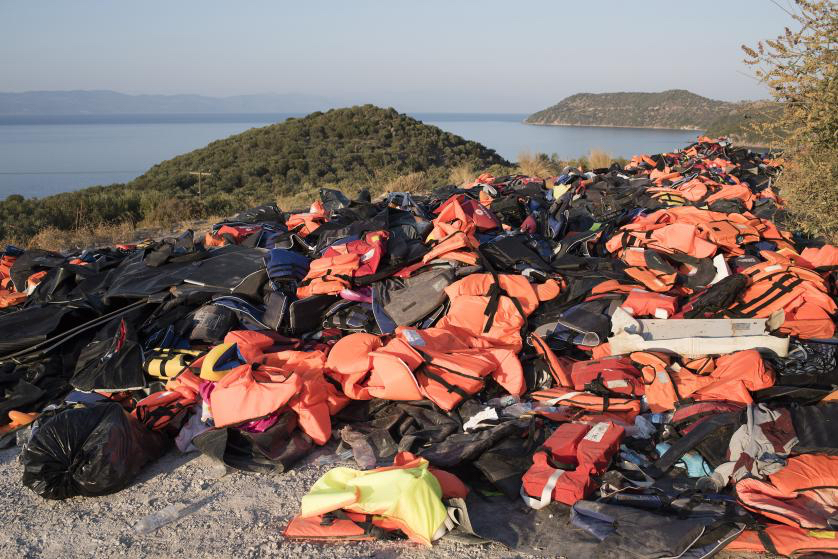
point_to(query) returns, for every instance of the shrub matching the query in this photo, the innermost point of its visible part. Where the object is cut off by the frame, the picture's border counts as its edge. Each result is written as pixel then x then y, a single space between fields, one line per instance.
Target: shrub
pixel 801 69
pixel 538 165
pixel 599 159
pixel 462 174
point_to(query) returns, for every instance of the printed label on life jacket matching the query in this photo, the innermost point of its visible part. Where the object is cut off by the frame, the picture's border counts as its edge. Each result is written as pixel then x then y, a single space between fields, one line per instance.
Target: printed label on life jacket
pixel 414 338
pixel 597 432
pixel 367 255
pixel 663 377
pixel 616 383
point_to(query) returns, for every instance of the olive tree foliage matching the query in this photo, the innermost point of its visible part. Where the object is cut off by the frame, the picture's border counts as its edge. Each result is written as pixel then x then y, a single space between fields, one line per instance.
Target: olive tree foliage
pixel 801 69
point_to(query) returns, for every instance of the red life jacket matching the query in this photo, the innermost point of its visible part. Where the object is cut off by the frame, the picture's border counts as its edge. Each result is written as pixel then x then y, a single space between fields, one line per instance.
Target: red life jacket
pixel 334 271
pixel 611 375
pixel 230 235
pixel 563 469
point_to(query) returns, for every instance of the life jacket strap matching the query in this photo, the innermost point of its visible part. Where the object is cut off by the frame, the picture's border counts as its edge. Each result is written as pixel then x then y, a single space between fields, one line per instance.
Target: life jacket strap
pixel 546 494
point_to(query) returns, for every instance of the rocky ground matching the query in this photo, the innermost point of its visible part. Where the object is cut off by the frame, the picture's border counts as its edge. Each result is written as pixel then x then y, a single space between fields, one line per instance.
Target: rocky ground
pixel 231 514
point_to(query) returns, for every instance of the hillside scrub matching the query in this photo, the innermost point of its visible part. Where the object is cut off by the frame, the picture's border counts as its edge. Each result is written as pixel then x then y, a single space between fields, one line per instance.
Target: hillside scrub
pixel 675 108
pixel 801 69
pixel 353 148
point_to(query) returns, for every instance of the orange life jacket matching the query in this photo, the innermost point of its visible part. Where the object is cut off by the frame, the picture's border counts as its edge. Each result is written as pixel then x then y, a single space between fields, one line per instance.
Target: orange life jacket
pixel 642 303
pixel 804 493
pixel 307 222
pixel 339 264
pixel 11 298
pixel 349 362
pixel 561 396
pixel 453 218
pixel 788 541
pixel 457 246
pixel 735 192
pixel 6 263
pixel 287 378
pixel 489 313
pixel 824 256
pixel 732 378
pixel 401 371
pixel 329 275
pixel 730 235
pixel 667 238
pixel 800 292
pixel 560 368
pixel 655 280
pixel 462 208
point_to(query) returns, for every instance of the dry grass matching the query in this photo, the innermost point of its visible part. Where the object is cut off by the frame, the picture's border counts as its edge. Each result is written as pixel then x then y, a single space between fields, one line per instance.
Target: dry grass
pixel 107 235
pixel 298 201
pixel 534 166
pixel 52 238
pixel 412 182
pixel 462 175
pixel 599 159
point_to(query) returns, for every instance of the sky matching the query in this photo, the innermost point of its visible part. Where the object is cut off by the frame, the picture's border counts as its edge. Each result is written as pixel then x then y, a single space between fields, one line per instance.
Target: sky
pixel 420 55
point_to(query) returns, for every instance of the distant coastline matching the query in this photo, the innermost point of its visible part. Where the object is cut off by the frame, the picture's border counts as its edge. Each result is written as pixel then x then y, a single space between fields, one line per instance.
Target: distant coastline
pixel 611 126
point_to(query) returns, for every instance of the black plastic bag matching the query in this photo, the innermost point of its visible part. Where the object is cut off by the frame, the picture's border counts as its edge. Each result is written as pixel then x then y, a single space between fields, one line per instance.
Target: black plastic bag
pixel 88 451
pixel 112 361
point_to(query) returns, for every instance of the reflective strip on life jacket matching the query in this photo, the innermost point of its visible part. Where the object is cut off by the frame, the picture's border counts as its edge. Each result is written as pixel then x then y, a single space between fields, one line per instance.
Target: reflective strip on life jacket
pixel 563 470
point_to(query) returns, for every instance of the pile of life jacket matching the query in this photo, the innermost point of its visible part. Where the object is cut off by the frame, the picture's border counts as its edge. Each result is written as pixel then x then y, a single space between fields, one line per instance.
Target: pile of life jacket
pixel 456 344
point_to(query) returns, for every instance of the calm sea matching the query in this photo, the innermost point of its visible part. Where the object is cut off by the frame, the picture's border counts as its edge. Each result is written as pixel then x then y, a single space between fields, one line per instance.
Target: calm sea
pixel 47 155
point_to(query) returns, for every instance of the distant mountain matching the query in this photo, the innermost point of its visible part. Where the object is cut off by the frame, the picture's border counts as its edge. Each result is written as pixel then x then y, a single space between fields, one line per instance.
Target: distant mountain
pixel 675 108
pixel 112 102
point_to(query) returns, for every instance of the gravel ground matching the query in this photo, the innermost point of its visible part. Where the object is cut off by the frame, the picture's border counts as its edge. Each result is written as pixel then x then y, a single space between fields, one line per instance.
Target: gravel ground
pixel 234 515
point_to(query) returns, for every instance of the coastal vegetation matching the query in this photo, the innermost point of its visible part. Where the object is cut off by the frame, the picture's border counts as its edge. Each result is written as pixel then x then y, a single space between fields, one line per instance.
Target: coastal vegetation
pixel 353 148
pixel 675 109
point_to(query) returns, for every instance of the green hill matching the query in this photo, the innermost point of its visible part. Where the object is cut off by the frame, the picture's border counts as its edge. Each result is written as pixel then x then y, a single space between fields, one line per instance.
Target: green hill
pixel 675 108
pixel 353 148
pixel 746 121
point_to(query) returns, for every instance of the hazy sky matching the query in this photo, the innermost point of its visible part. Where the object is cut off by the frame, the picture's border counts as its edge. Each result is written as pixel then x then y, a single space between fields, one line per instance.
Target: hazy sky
pixel 438 55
